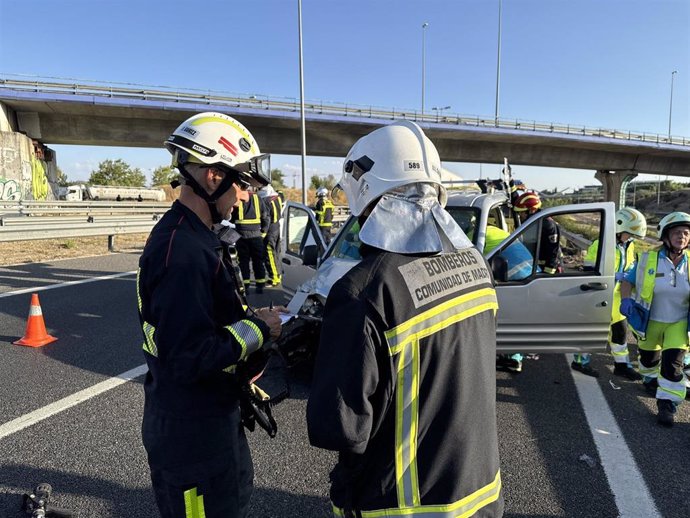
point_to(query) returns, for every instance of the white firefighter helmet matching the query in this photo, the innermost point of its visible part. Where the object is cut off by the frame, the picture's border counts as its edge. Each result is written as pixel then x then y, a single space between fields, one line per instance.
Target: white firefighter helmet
pixel 388 158
pixel 671 220
pixel 213 138
pixel 631 221
pixel 322 192
pixel 267 191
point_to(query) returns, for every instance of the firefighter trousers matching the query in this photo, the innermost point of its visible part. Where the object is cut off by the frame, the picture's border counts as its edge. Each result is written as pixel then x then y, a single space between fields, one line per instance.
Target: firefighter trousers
pixel 199 467
pixel 251 249
pixel 272 243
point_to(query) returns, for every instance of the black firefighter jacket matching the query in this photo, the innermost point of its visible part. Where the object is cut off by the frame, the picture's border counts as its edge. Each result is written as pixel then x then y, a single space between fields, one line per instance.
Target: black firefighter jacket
pixel 404 387
pixel 195 328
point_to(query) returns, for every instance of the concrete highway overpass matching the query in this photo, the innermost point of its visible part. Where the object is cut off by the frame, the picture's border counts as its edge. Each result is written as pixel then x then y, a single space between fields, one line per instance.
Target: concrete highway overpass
pixel 60 113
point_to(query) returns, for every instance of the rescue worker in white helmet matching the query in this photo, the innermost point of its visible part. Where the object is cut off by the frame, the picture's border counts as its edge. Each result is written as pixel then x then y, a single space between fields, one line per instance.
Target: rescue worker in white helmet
pixel 404 382
pixel 630 224
pixel 196 331
pixel 324 213
pixel 656 300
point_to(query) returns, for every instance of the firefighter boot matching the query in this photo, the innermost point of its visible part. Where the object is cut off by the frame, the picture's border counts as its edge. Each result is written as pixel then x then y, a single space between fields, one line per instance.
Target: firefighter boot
pixel 666 410
pixel 626 371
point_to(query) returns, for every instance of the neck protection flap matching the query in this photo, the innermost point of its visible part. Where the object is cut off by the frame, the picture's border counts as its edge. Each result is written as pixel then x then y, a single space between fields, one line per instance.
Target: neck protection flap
pixel 410 220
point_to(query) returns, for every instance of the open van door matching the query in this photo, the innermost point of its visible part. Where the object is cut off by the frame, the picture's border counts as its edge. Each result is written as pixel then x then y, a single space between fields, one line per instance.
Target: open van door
pixel 302 246
pixel 569 311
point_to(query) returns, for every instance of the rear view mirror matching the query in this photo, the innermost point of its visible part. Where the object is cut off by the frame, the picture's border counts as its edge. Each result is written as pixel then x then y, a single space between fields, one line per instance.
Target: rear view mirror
pixel 499 267
pixel 310 255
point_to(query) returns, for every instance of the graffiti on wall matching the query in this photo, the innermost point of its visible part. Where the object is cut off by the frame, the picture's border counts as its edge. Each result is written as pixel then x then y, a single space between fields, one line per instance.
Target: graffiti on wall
pixel 39 179
pixel 9 190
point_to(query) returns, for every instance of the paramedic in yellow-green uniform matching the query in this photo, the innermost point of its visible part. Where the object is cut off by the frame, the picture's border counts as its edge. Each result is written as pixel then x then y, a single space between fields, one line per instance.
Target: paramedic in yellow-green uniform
pixel 658 311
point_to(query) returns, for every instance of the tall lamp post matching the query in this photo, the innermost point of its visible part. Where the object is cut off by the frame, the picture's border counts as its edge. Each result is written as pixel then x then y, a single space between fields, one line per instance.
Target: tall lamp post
pixel 424 26
pixel 301 105
pixel 498 62
pixel 670 106
pixel 670 112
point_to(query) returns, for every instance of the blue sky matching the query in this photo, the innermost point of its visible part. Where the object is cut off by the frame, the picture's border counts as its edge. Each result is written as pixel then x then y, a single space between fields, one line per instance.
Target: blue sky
pixel 598 63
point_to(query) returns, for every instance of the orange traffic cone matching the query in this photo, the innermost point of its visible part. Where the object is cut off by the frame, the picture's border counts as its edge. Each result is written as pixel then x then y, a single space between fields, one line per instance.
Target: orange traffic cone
pixel 36 334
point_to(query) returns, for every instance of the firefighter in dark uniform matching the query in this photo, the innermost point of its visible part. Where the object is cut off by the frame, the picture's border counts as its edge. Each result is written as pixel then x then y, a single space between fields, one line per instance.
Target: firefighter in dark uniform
pixel 404 383
pixel 273 206
pixel 196 331
pixel 550 258
pixel 550 261
pixel 324 213
pixel 251 221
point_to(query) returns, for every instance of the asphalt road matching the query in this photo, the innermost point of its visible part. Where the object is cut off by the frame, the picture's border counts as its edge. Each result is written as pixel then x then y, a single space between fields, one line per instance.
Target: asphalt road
pixel 571 446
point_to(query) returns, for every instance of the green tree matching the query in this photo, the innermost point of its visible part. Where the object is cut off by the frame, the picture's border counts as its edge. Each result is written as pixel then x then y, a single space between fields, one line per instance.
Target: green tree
pixel 163 175
pixel 277 179
pixel 117 172
pixel 317 182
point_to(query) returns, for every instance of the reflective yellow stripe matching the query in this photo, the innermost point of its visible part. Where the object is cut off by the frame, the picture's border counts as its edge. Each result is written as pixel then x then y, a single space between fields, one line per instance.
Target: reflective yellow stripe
pixel 149 344
pixel 463 508
pixel 404 340
pixel 193 504
pixel 407 419
pixel 248 335
pixel 440 317
pixel 257 217
pixel 272 266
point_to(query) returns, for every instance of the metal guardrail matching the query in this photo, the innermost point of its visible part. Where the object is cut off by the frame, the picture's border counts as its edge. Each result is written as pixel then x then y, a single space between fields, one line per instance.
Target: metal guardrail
pixel 264 102
pixel 32 220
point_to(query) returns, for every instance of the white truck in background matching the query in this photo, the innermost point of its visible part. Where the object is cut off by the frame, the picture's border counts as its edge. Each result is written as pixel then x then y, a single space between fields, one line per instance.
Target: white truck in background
pixel 83 192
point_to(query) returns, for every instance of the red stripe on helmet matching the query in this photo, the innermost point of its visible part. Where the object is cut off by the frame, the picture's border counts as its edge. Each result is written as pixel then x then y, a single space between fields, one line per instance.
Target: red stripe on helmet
pixel 227 145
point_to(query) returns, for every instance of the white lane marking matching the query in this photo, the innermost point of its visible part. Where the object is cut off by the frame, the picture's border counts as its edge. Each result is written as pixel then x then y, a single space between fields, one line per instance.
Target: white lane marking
pixel 63 284
pixel 63 404
pixel 629 489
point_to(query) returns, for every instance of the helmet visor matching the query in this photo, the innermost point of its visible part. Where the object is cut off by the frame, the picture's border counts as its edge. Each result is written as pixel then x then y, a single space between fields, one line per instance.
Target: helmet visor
pixel 258 168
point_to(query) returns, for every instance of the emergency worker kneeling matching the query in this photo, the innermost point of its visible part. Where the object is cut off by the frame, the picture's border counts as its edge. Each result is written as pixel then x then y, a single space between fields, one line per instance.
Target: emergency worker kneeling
pixel 404 383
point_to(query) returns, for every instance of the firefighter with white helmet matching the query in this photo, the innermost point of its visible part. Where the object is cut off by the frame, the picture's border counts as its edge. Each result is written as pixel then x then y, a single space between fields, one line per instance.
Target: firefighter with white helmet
pixel 656 301
pixel 323 209
pixel 412 322
pixel 197 335
pixel 630 225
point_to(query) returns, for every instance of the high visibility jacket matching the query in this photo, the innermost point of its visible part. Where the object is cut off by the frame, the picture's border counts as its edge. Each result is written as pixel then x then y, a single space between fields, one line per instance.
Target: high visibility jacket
pixel 404 387
pixel 623 263
pixel 249 218
pixel 645 280
pixel 324 212
pixel 517 255
pixel 195 328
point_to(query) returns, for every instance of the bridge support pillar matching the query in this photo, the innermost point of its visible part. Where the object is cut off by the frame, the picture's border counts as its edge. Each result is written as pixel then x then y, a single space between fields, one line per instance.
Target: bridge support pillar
pixel 28 169
pixel 615 184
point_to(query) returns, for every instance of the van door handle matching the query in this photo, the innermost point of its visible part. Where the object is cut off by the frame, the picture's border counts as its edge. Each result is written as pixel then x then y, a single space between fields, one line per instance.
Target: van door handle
pixel 286 260
pixel 590 286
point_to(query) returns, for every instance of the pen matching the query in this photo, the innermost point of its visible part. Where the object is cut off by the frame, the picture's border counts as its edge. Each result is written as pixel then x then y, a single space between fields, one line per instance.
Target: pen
pixel 270 308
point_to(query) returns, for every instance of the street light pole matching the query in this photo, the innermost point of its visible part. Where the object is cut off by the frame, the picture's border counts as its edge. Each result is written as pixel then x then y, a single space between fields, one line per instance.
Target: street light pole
pixel 498 62
pixel 424 26
pixel 670 107
pixel 301 106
